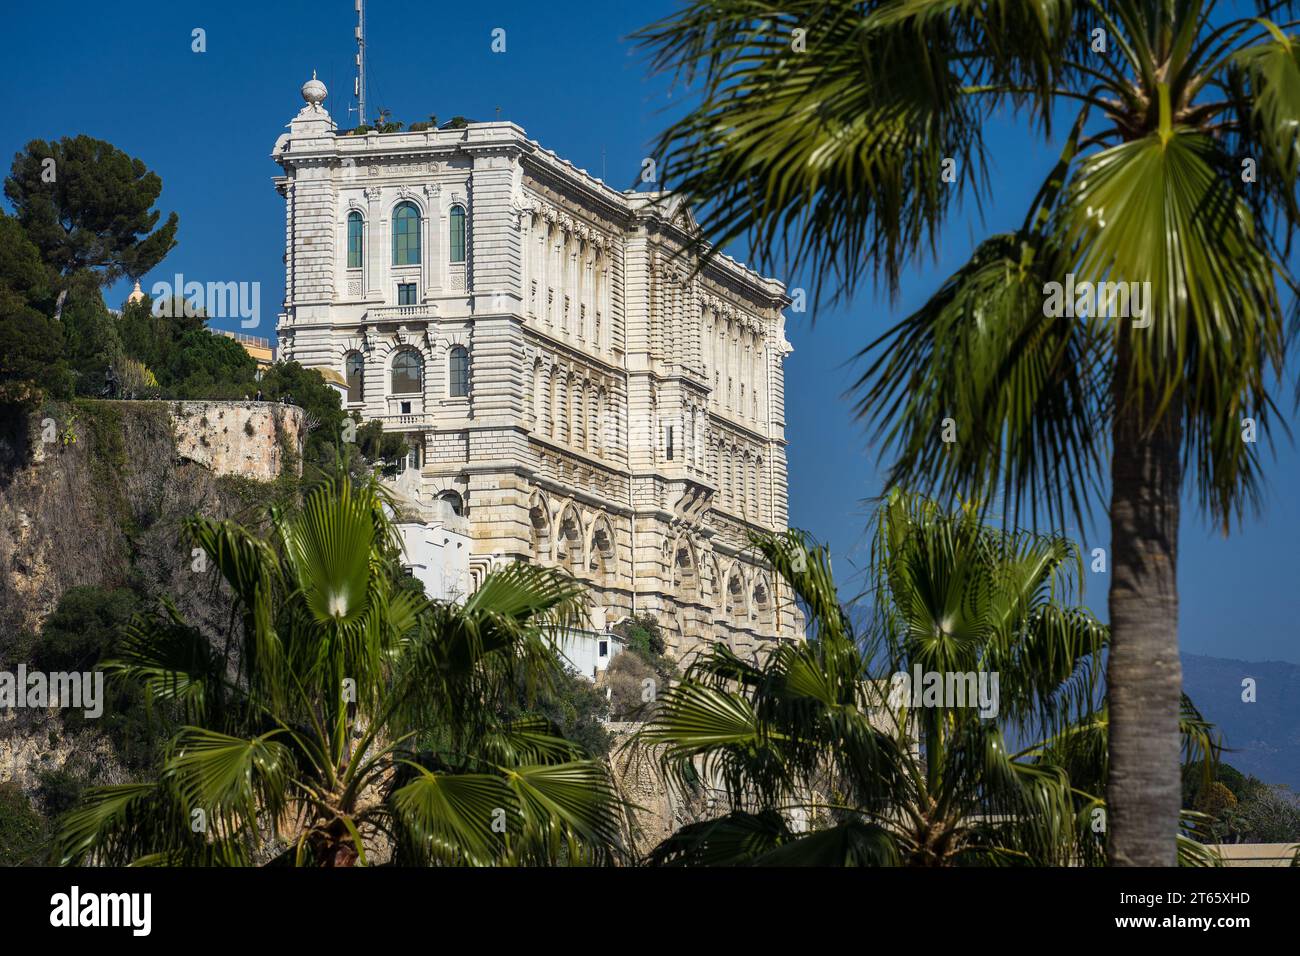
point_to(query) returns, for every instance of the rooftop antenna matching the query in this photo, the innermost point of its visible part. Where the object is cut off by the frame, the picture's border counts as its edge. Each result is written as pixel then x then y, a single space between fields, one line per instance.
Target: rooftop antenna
pixel 359 84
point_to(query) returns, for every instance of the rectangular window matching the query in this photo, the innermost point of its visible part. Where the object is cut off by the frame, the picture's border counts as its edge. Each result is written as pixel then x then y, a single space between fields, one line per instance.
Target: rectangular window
pixel 604 648
pixel 406 294
pixel 458 372
pixel 670 442
pixel 457 234
pixel 406 408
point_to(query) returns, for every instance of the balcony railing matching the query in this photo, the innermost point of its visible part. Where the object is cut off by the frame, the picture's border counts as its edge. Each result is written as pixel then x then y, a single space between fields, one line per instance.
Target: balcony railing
pixel 397 313
pixel 415 420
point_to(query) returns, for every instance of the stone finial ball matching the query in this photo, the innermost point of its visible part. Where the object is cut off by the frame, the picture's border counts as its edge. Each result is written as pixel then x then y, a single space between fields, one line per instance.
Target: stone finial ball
pixel 313 91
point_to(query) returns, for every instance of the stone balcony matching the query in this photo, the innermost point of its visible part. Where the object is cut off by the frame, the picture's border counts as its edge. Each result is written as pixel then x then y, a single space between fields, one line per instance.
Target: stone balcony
pixel 402 313
pixel 409 422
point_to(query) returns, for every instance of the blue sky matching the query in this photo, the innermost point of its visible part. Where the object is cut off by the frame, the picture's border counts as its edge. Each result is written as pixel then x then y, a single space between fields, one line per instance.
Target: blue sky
pixel 206 123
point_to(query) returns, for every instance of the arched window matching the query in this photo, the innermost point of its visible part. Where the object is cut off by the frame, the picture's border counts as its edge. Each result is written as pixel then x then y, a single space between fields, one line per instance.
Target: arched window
pixel 354 370
pixel 457 234
pixel 406 235
pixel 458 371
pixel 356 239
pixel 408 373
pixel 455 501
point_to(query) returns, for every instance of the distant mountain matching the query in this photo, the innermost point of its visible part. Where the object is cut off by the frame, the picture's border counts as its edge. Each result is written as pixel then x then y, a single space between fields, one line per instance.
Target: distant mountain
pixel 1262 738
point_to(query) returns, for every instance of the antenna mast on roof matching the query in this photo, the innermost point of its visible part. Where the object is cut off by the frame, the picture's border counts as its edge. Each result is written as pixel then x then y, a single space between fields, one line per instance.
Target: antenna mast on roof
pixel 359 84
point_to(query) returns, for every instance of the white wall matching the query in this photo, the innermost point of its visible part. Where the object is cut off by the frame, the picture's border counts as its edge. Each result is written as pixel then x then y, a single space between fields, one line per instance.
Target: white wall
pixel 582 651
pixel 438 556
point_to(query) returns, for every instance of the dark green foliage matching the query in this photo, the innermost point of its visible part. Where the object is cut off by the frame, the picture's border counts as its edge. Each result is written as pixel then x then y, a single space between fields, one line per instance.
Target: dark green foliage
pixel 211 366
pixel 376 445
pixel 92 335
pixel 150 338
pixel 188 359
pixel 22 273
pixel 320 609
pixel 573 706
pixel 31 357
pixel 84 631
pixel 59 791
pixel 96 215
pixel 32 345
pixel 22 828
pixel 642 634
pixel 305 388
pixel 82 627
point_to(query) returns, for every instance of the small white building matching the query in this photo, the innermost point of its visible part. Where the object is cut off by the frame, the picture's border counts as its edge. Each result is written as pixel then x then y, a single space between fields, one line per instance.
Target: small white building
pixel 436 553
pixel 589 652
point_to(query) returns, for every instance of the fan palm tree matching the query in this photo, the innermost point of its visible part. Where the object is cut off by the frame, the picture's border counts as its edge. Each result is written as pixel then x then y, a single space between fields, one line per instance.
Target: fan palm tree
pixel 887 774
pixel 837 136
pixel 347 712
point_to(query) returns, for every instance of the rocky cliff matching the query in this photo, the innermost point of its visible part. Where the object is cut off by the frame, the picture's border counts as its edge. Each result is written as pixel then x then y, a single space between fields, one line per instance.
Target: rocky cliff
pixel 93 493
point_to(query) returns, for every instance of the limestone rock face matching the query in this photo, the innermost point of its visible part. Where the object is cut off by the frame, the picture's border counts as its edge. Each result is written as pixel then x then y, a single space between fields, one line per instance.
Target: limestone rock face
pixel 248 439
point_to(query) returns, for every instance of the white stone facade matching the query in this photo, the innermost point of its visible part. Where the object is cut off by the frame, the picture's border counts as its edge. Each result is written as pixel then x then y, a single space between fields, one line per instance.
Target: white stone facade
pixel 570 386
pixel 436 552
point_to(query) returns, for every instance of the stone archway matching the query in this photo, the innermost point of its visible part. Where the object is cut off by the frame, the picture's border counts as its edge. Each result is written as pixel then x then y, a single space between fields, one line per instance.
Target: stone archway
pixel 735 596
pixel 686 570
pixel 761 602
pixel 601 557
pixel 540 532
pixel 568 548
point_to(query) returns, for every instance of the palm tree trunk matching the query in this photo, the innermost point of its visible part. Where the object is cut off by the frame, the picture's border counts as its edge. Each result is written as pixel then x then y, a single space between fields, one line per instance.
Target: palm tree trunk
pixel 1144 674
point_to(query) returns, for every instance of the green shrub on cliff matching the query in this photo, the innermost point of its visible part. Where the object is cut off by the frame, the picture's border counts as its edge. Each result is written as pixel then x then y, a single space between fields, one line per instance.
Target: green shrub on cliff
pixel 22 829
